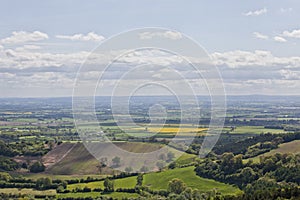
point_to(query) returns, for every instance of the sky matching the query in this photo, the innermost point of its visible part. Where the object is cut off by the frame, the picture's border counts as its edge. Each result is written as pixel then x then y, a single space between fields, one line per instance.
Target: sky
pixel 254 44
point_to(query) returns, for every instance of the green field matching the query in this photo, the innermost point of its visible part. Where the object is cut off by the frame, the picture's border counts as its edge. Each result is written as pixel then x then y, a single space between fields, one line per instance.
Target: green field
pixel 77 162
pixel 160 180
pixel 60 177
pixel 289 147
pixel 115 195
pixel 129 182
pixel 27 191
pixel 256 130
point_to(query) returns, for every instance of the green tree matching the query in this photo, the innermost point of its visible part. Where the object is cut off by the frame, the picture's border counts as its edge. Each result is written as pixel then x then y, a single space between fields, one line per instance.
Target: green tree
pixel 144 169
pixel 160 164
pixel 109 185
pixel 162 156
pixel 43 183
pixel 176 186
pixel 4 176
pixel 116 161
pixel 128 169
pixel 37 167
pixel 139 180
pixel 170 156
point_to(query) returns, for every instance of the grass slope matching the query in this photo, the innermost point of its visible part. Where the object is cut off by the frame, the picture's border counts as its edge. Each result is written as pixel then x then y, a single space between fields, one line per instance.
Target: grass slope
pixel 129 182
pixel 80 162
pixel 114 195
pixel 289 147
pixel 160 180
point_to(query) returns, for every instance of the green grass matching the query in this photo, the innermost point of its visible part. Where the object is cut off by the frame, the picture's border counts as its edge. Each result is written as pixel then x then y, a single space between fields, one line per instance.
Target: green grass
pixel 256 130
pixel 60 177
pixel 186 158
pixel 121 195
pixel 27 191
pixel 160 180
pixel 80 162
pixel 289 147
pixel 115 195
pixel 128 182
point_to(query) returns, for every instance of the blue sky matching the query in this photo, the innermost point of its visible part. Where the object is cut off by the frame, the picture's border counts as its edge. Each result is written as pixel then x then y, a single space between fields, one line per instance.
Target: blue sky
pixel 239 27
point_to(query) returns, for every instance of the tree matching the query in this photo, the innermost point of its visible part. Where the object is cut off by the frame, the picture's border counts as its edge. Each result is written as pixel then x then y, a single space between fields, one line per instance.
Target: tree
pixel 160 164
pixel 144 169
pixel 162 156
pixel 128 169
pixel 116 161
pixel 109 185
pixel 4 176
pixel 43 183
pixel 176 186
pixel 248 175
pixel 187 193
pixel 170 156
pixel 37 167
pixel 139 180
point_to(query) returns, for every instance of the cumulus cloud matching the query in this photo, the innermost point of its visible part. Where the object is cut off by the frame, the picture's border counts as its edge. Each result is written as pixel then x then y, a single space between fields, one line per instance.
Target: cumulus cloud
pixel 279 39
pixel 240 59
pixel 289 74
pixel 23 36
pixel 91 36
pixel 292 34
pixel 285 10
pixel 260 36
pixel 256 12
pixel 173 35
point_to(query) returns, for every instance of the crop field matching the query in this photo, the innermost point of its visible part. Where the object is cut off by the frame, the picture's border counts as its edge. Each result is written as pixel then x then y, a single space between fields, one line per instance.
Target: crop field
pixel 78 161
pixel 289 147
pixel 256 130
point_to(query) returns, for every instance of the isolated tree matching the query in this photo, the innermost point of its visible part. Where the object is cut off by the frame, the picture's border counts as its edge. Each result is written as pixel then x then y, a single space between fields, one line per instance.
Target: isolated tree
pixel 144 169
pixel 160 164
pixel 102 165
pixel 170 156
pixel 116 161
pixel 176 186
pixel 109 185
pixel 162 156
pixel 128 169
pixel 43 183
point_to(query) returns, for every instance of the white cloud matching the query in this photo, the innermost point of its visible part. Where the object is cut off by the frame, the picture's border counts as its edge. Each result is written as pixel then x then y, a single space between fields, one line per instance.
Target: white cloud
pixel 285 10
pixel 91 36
pixel 173 35
pixel 23 36
pixel 289 74
pixel 260 36
pixel 239 59
pixel 279 39
pixel 28 47
pixel 256 12
pixel 292 34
